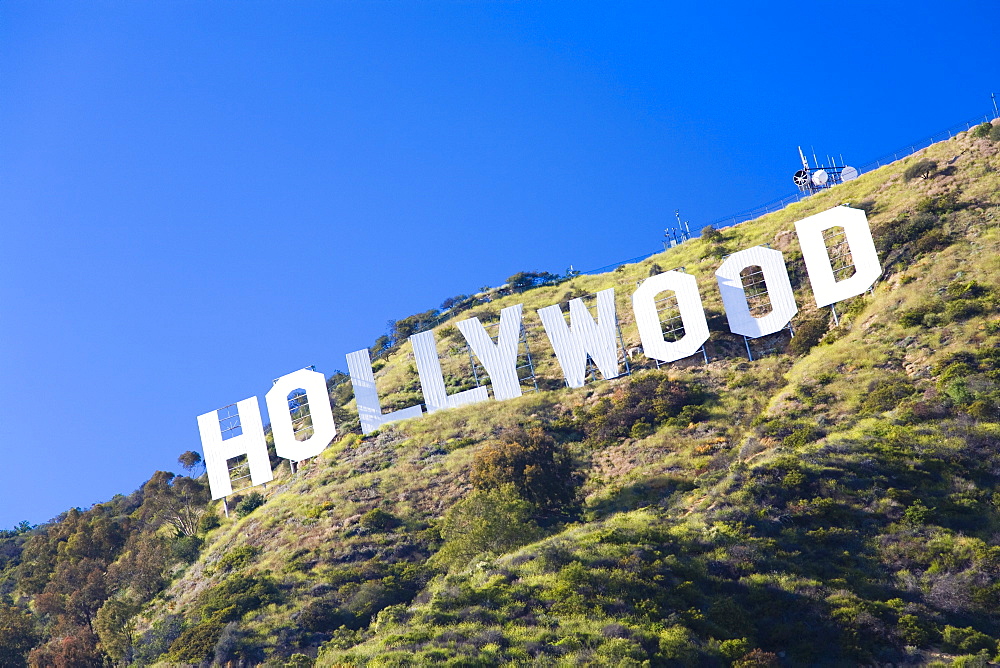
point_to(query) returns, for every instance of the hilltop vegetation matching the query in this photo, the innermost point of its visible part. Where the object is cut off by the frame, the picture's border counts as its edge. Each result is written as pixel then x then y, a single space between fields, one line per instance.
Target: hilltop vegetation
pixel 835 501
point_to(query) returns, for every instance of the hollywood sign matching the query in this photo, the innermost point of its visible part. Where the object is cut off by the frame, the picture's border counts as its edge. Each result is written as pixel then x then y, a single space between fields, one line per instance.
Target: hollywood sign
pixel 572 344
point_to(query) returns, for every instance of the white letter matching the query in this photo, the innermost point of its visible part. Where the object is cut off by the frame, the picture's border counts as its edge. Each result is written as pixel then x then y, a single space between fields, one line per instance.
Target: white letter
pixel 826 289
pixel 250 443
pixel 366 396
pixel 500 359
pixel 432 381
pixel 324 430
pixel 779 292
pixel 685 287
pixel 573 342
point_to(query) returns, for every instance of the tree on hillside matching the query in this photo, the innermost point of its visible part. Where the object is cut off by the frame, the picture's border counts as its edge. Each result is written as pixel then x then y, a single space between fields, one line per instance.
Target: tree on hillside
pixel 487 521
pixel 525 280
pixel 115 626
pixel 539 469
pixel 189 460
pixel 17 637
pixel 710 234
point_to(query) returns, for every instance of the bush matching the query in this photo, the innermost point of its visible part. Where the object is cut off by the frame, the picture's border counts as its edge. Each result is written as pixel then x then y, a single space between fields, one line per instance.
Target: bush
pixel 995 133
pixel 208 521
pixel 377 519
pixel 981 130
pixel 538 469
pixel 808 333
pixel 967 640
pixel 252 502
pixel 885 394
pixel 905 229
pixel 922 168
pixel 488 521
pixel 197 643
pixel 917 514
pixel 678 646
pixel 186 548
pixel 651 398
pixel 711 235
pixel 238 557
pixel 235 596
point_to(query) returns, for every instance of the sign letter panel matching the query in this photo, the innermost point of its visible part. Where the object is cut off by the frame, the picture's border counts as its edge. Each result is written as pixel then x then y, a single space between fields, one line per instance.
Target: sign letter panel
pixel 431 379
pixel 572 343
pixel 654 345
pixel 359 364
pixel 500 358
pixel 825 286
pixel 320 410
pixel 250 443
pixel 779 292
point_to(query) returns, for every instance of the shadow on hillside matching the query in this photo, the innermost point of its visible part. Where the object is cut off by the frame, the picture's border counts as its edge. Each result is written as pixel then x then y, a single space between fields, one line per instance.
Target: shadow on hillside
pixel 655 490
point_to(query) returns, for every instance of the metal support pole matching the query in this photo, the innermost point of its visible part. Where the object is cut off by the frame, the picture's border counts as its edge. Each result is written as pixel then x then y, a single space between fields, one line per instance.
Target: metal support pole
pixel 746 342
pixel 225 507
pixel 836 320
pixel 621 342
pixel 472 363
pixel 527 352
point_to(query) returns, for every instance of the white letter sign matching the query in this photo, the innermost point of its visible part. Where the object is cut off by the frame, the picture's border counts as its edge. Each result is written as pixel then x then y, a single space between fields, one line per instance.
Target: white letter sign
pixel 500 358
pixel 359 364
pixel 320 410
pixel 250 443
pixel 654 346
pixel 779 292
pixel 825 286
pixel 436 396
pixel 572 343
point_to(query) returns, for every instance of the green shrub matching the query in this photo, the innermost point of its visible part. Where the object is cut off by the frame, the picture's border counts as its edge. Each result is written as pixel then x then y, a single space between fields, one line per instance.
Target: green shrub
pixel 905 229
pixel 711 235
pixel 938 204
pixel 981 130
pixel 801 437
pixel 538 468
pixel 678 646
pixel 995 133
pixel 487 521
pixel 912 631
pixel 196 643
pixel 250 503
pixel 917 514
pixel 966 640
pixel 208 521
pixel 640 430
pixel 922 169
pixel 377 519
pixel 238 557
pixel 237 595
pixel 809 332
pixel 186 548
pixel 651 398
pixel 885 394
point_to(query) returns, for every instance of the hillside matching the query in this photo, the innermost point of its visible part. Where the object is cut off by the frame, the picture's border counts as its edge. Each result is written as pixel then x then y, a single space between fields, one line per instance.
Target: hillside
pixel 835 501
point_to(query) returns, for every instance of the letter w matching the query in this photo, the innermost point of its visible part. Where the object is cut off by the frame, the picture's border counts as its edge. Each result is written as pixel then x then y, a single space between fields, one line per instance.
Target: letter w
pixel 572 343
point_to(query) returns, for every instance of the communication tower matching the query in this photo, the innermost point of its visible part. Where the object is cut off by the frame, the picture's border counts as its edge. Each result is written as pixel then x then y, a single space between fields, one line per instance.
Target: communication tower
pixel 813 179
pixel 674 236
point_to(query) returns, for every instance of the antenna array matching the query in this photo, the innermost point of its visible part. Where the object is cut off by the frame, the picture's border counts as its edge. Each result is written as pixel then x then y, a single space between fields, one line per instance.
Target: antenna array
pixel 812 179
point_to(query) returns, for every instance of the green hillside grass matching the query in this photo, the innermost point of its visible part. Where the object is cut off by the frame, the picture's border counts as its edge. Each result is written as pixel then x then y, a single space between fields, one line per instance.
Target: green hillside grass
pixel 835 502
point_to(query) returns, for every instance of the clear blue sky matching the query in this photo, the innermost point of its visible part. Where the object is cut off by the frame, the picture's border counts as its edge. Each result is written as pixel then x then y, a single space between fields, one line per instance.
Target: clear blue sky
pixel 199 197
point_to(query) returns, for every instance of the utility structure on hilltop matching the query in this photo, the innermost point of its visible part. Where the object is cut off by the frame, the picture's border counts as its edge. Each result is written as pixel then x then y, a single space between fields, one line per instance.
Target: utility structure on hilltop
pixel 813 179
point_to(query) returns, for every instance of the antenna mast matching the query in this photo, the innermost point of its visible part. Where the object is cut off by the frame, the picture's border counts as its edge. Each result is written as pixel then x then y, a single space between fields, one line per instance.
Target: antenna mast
pixel 805 163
